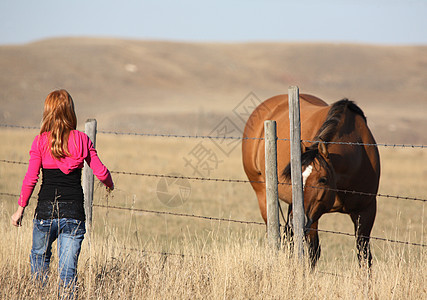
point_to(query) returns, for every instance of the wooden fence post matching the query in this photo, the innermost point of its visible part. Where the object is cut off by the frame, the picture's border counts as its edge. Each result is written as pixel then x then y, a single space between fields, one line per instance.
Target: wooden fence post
pixel 273 231
pixel 88 180
pixel 297 188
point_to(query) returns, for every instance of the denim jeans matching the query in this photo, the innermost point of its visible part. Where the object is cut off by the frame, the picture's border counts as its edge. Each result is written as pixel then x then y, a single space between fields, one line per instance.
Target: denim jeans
pixel 70 234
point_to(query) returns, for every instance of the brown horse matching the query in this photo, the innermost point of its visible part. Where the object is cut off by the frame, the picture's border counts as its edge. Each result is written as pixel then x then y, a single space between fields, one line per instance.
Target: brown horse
pixel 329 165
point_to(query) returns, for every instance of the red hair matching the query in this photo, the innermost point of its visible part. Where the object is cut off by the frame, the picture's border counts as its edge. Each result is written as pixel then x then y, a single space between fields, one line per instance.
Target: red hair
pixel 59 118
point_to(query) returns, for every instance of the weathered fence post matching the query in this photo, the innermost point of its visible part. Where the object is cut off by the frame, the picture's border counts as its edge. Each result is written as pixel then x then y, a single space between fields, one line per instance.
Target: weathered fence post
pixel 88 180
pixel 296 176
pixel 273 231
pixel 88 184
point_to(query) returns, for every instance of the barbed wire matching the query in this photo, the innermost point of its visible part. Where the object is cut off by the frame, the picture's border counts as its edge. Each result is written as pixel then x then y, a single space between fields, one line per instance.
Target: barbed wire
pixel 15 195
pixel 253 138
pixel 281 183
pixel 9 194
pixel 224 137
pixel 167 254
pixel 178 214
pixel 243 181
pixel 162 253
pixel 19 126
pixel 251 181
pixel 363 193
pixel 206 255
pixel 211 137
pixel 185 177
pixel 252 223
pixel 370 237
pixel 363 144
pixel 13 162
pixel 235 221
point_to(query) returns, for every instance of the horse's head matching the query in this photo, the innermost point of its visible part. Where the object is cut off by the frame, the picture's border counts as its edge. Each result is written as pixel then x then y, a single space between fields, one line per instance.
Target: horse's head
pixel 319 182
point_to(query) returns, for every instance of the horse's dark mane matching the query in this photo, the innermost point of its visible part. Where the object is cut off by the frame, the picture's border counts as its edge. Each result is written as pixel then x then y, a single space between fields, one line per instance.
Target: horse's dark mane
pixel 306 159
pixel 329 128
pixel 325 134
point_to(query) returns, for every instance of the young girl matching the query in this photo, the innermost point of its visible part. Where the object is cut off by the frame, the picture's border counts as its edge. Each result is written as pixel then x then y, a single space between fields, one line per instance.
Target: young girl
pixel 59 151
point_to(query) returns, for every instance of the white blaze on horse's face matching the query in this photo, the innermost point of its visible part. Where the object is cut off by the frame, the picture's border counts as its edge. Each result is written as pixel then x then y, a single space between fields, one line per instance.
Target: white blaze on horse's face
pixel 305 175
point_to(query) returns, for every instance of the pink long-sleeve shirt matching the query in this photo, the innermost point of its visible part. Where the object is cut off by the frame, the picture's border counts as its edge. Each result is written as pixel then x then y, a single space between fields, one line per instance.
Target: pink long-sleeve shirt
pixel 79 146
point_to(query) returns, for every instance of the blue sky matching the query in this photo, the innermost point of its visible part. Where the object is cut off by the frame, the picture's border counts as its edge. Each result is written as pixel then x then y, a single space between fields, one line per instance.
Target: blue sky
pixel 353 21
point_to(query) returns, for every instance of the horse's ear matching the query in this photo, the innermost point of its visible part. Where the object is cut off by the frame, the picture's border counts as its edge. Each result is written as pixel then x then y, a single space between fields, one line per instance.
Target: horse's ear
pixel 323 150
pixel 303 147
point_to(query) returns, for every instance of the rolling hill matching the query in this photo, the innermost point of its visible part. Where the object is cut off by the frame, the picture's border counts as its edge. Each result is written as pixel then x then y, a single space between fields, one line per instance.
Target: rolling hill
pixel 177 87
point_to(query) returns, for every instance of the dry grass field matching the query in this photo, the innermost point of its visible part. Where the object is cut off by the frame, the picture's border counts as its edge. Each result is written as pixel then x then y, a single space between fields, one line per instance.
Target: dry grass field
pixel 208 258
pixel 190 88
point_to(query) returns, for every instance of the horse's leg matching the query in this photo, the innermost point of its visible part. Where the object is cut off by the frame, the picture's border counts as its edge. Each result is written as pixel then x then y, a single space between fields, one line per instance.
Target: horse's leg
pixel 312 238
pixel 262 202
pixel 313 244
pixel 288 232
pixel 363 222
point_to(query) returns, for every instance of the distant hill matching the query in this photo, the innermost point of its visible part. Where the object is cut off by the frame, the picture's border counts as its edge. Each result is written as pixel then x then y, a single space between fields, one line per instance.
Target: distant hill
pixel 173 87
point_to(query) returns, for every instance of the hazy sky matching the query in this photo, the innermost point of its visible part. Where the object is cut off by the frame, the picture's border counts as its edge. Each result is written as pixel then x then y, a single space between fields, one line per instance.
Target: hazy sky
pixel 360 21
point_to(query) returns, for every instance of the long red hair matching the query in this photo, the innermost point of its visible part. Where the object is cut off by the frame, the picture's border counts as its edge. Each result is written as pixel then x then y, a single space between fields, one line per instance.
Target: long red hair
pixel 59 118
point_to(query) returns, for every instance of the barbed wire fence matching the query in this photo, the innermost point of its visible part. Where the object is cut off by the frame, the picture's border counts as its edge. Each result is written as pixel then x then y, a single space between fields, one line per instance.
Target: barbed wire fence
pixel 157 212
pixel 211 137
pixel 225 180
pixel 240 181
pixel 229 219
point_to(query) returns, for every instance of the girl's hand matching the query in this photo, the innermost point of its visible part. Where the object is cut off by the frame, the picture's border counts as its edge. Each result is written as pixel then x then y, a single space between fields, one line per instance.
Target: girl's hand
pixel 16 218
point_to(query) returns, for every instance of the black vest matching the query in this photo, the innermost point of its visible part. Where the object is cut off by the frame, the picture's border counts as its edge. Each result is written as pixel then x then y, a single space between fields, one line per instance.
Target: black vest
pixel 60 196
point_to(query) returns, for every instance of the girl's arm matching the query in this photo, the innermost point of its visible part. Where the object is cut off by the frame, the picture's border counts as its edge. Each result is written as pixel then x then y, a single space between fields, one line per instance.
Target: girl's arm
pixel 30 180
pixel 32 175
pixel 98 168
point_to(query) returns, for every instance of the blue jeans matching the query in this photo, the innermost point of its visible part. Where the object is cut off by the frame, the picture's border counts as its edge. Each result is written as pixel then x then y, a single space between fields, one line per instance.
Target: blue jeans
pixel 70 234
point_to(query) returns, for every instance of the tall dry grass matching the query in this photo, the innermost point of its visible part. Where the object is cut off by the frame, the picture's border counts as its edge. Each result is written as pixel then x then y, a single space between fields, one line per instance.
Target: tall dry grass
pixel 235 267
pixel 211 259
